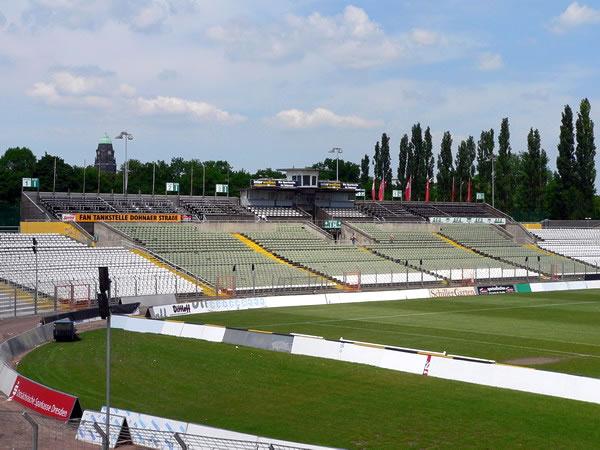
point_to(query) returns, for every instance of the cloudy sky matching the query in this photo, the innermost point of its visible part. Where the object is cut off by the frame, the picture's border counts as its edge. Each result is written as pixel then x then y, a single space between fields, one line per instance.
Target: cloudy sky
pixel 277 82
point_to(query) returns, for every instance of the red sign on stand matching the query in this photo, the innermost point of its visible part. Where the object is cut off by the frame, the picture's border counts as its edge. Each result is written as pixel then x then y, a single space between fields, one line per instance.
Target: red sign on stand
pixel 44 400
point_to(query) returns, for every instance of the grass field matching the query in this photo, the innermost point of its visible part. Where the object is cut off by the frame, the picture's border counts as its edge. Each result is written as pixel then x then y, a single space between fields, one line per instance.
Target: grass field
pixel 557 331
pixel 309 399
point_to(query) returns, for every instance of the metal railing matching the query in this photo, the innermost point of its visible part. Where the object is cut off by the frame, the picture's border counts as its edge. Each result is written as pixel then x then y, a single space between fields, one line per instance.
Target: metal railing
pixel 26 430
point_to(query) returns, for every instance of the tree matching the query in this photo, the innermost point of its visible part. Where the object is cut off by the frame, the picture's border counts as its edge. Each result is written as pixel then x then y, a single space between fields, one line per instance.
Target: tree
pixel 385 161
pixel 403 157
pixel 428 161
pixel 445 168
pixel 365 167
pixel 585 153
pixel 504 172
pixel 566 183
pixel 417 165
pixel 377 162
pixel 348 171
pixel 464 168
pixel 532 178
pixel 485 153
pixel 15 164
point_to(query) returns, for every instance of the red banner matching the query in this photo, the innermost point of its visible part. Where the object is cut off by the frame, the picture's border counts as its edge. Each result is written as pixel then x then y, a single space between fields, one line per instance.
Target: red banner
pixel 42 399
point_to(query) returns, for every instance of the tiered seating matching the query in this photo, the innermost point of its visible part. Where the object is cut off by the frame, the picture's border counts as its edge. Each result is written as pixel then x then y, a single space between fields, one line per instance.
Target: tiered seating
pixel 215 256
pixel 490 241
pixel 278 212
pixel 346 213
pixel 388 211
pixel 61 204
pixel 340 261
pixel 424 209
pixel 578 243
pixel 425 249
pixel 143 205
pixel 69 269
pixel 469 210
pixel 216 208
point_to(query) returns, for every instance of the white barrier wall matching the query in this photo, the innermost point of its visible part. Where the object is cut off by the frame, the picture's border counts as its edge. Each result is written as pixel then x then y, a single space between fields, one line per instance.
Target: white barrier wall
pixel 405 360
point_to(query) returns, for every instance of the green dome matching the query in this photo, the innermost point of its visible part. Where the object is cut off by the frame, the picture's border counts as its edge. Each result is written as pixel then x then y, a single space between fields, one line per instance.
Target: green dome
pixel 105 139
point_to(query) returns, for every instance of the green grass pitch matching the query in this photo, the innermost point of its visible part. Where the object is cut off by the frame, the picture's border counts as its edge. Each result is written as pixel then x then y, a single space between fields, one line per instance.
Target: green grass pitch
pixel 307 399
pixel 558 331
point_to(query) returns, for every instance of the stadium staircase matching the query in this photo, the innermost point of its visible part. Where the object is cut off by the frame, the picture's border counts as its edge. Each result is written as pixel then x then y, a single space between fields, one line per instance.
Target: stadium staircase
pixel 255 246
pixel 204 287
pixel 455 244
pixel 24 302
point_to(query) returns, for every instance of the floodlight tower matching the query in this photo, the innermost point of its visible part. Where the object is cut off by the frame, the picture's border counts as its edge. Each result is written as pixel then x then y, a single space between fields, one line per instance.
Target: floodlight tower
pixel 337 151
pixel 126 137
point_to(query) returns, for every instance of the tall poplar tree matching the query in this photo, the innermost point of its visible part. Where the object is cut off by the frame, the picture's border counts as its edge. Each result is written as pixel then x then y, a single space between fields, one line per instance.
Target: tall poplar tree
pixel 417 163
pixel 377 162
pixel 485 153
pixel 365 166
pixel 533 177
pixel 585 153
pixel 385 160
pixel 428 160
pixel 504 172
pixel 445 168
pixel 402 158
pixel 464 168
pixel 565 197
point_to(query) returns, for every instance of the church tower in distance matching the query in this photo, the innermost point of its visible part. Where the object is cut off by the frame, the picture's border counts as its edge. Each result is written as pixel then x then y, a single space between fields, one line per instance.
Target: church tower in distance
pixel 105 155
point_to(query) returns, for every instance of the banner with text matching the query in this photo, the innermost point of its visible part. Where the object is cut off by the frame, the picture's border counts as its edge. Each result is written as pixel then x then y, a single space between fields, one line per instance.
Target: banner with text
pixel 123 217
pixel 44 400
pixel 469 220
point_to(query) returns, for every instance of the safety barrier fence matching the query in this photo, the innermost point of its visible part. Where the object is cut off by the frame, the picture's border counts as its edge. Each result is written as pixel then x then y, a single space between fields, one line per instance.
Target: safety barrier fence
pixel 416 361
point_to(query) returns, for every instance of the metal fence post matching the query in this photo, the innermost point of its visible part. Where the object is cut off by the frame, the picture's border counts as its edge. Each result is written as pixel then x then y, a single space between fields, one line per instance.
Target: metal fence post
pixel 15 301
pixel 34 430
pixel 100 431
pixel 180 441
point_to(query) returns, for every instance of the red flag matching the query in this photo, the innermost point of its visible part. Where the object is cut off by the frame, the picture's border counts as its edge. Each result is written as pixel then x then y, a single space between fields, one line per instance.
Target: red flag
pixel 469 192
pixel 407 192
pixel 382 190
pixel 453 194
pixel 427 190
pixel 373 190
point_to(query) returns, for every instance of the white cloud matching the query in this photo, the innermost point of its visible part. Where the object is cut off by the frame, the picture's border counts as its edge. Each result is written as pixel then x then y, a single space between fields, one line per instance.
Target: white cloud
pixel 350 39
pixel 424 37
pixel 178 106
pixel 319 117
pixel 48 93
pixel 574 16
pixel 490 61
pixel 126 90
pixel 151 16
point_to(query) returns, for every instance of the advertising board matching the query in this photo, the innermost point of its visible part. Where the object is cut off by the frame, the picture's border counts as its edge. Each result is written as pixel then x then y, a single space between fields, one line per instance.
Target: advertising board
pixel 469 220
pixel 44 400
pixel 496 289
pixel 122 217
pixel 459 291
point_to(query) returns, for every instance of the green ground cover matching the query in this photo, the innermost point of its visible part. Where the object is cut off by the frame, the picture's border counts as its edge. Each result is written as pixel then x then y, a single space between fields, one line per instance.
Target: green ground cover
pixel 558 331
pixel 309 399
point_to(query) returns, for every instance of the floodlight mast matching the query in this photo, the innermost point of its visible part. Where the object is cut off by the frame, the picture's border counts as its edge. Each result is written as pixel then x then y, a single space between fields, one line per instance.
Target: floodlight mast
pixel 337 151
pixel 126 137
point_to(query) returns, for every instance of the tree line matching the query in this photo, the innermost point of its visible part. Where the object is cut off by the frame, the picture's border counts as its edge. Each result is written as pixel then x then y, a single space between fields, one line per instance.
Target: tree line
pixel 524 186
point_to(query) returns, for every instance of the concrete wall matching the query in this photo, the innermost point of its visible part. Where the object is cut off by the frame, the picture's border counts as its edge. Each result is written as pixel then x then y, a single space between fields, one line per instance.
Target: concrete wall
pixel 106 237
pixel 30 210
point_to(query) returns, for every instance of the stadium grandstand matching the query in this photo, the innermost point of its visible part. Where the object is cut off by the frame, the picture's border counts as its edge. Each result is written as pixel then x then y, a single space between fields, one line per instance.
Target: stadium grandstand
pixel 298 234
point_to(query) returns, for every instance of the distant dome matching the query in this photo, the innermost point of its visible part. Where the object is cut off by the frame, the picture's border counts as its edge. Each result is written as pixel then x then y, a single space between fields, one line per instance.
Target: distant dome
pixel 105 139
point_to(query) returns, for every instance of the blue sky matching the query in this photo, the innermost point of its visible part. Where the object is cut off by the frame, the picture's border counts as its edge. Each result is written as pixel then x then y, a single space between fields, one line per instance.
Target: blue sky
pixel 275 83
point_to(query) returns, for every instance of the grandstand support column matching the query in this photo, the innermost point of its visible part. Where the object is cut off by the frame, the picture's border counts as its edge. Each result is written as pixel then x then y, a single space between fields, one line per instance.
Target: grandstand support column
pixel 406 266
pixel 15 301
pixel 421 269
pixel 108 377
